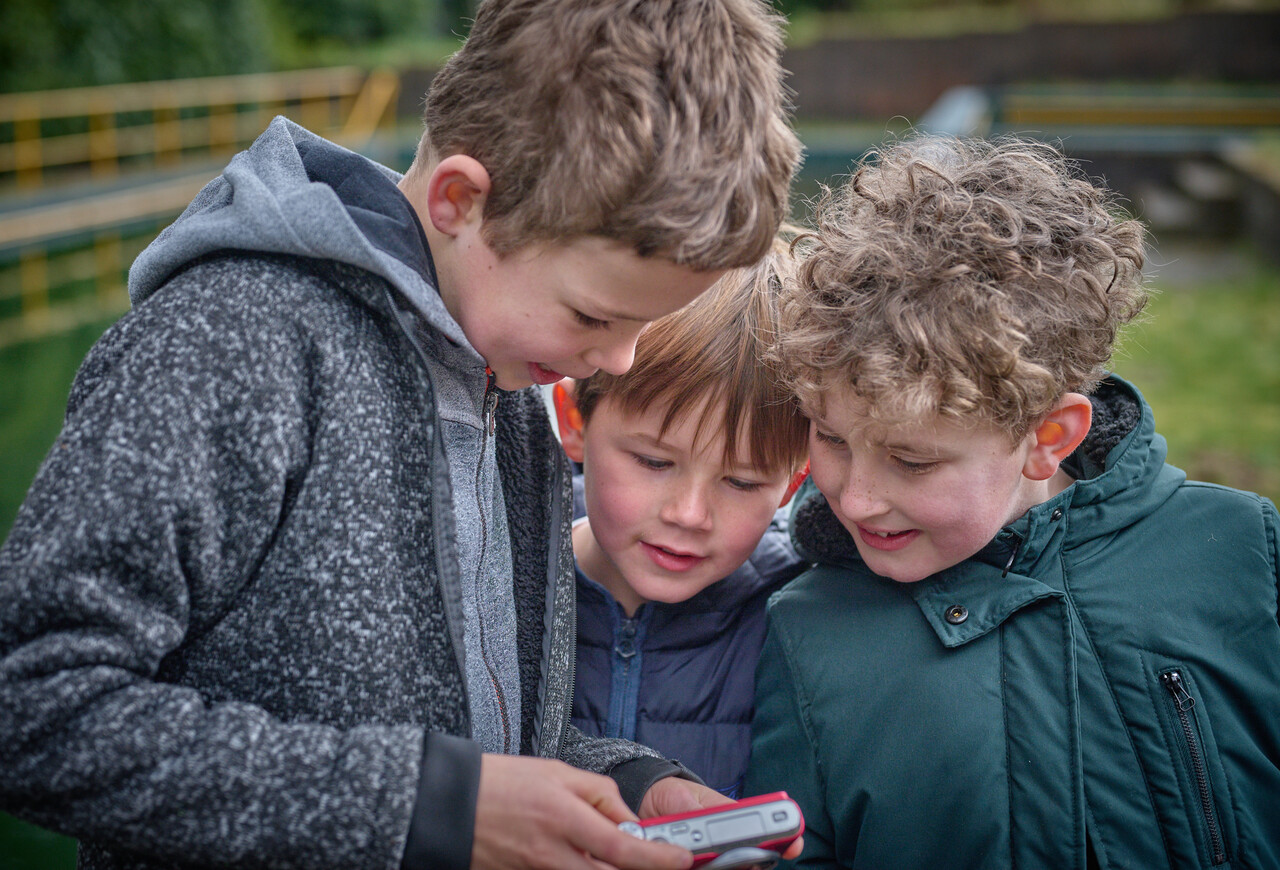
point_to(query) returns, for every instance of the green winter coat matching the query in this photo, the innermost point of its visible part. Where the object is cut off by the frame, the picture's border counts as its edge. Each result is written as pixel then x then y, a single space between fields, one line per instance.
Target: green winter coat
pixel 1111 699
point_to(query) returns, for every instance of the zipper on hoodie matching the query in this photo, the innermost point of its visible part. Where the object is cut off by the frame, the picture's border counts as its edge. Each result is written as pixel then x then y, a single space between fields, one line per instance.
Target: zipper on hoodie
pixel 490 400
pixel 490 406
pixel 1183 702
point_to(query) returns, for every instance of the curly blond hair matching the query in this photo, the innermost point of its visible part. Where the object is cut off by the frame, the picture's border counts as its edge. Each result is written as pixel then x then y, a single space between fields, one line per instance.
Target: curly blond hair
pixel 712 350
pixel 661 124
pixel 961 278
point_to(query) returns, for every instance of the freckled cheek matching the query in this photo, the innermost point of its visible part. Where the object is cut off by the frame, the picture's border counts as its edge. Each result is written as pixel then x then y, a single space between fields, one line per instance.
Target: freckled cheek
pixel 959 525
pixel 827 477
pixel 616 504
pixel 741 540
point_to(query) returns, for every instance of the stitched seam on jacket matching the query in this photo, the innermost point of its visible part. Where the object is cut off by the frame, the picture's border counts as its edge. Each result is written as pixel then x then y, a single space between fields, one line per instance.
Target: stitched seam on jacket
pixel 1008 750
pixel 1111 692
pixel 802 701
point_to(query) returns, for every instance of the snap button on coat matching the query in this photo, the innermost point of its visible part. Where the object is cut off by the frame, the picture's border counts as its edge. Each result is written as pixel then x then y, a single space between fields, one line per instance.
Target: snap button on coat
pixel 957 613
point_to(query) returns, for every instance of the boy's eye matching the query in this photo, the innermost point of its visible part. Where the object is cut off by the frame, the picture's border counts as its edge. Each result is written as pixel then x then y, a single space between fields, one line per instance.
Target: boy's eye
pixel 913 467
pixel 650 463
pixel 828 438
pixel 743 485
pixel 588 321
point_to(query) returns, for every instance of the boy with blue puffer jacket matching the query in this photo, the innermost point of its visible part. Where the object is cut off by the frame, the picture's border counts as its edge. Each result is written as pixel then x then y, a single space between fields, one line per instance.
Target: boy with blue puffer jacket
pixel 686 459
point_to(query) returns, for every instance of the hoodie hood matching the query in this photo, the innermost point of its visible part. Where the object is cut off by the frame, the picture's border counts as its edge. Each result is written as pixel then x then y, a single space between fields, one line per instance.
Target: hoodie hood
pixel 1120 476
pixel 293 192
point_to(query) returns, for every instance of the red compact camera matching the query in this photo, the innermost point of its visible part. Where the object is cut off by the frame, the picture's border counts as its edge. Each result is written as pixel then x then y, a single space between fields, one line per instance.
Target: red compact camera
pixel 751 833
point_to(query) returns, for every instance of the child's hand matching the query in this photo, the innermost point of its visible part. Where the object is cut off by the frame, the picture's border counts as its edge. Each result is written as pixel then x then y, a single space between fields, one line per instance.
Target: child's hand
pixel 675 795
pixel 537 814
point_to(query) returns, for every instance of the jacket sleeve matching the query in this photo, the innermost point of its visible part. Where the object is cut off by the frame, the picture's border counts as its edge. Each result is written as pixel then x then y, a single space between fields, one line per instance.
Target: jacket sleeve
pixel 632 766
pixel 158 498
pixel 784 755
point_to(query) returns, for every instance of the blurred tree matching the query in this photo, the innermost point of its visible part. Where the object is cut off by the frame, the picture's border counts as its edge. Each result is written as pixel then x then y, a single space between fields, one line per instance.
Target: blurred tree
pixel 456 16
pixel 791 7
pixel 66 43
pixel 357 21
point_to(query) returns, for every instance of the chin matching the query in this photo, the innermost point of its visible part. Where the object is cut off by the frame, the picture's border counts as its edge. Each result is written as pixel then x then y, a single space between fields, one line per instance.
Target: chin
pixel 896 573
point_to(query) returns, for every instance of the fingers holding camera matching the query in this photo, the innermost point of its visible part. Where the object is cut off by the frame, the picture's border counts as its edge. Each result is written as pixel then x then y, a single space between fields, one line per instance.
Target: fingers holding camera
pixel 538 814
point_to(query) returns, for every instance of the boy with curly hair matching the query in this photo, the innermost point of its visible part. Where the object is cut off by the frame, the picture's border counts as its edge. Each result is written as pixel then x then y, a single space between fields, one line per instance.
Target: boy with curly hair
pixel 687 459
pixel 1028 641
pixel 295 585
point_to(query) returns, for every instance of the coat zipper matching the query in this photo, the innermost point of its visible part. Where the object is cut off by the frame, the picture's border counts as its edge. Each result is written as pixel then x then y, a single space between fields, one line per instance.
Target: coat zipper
pixel 490 406
pixel 1183 702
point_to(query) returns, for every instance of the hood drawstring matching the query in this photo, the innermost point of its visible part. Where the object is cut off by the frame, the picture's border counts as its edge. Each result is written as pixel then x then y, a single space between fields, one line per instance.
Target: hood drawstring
pixel 1017 542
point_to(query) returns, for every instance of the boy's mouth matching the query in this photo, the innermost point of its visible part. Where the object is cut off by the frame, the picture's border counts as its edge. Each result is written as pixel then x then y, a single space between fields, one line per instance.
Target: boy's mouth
pixel 671 560
pixel 887 541
pixel 542 375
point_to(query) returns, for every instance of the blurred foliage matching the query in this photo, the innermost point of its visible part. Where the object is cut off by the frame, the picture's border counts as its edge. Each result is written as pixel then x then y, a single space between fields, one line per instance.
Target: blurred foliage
pixel 812 20
pixel 70 43
pixel 313 21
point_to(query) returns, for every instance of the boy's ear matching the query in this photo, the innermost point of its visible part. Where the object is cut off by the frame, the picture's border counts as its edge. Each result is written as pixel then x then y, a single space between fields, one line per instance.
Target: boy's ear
pixel 568 419
pixel 1059 433
pixel 456 192
pixel 796 480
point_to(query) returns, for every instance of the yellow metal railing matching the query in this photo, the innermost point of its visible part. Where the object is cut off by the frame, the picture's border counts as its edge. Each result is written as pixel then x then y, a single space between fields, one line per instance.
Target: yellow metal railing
pixel 161 123
pixel 63 258
pixel 1149 106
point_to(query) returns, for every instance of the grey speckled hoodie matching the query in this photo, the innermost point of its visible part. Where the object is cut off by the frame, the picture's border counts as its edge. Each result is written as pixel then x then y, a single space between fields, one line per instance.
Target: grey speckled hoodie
pixel 231 626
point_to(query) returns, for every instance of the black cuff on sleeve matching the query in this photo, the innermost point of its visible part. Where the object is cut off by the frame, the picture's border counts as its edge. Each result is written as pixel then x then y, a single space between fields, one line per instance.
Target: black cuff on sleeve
pixel 444 816
pixel 634 777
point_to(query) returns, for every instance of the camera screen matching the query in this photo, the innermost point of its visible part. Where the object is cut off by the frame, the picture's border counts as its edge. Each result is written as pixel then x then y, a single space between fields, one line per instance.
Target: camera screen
pixel 740 826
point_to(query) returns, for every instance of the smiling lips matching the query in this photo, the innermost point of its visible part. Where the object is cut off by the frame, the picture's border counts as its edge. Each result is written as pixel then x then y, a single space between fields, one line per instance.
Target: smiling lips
pixel 671 560
pixel 887 541
pixel 543 375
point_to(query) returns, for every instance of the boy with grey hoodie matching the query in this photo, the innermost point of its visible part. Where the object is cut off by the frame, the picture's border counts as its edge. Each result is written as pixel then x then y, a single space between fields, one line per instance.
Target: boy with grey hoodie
pixel 294 585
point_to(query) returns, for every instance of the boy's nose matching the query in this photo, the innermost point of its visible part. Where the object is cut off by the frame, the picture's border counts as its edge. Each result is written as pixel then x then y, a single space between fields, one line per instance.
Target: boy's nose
pixel 614 359
pixel 688 507
pixel 861 498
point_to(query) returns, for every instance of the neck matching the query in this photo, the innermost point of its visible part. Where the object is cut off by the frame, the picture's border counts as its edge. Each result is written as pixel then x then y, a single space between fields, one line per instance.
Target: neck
pixel 1036 492
pixel 1058 483
pixel 413 186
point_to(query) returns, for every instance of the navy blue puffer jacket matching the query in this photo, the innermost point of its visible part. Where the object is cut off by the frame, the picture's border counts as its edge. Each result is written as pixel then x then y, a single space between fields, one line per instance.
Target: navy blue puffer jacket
pixel 680 678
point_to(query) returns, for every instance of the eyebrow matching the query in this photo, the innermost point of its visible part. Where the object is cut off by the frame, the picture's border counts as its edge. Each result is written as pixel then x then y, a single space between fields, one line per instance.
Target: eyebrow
pixel 917 447
pixel 648 439
pixel 613 314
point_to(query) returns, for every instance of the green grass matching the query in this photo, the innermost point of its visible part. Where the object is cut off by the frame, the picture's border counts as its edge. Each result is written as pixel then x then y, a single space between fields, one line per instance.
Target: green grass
pixel 27 847
pixel 1208 360
pixel 34 380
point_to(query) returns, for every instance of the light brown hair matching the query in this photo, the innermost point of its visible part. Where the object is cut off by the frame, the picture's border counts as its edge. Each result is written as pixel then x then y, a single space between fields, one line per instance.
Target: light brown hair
pixel 961 278
pixel 661 124
pixel 712 350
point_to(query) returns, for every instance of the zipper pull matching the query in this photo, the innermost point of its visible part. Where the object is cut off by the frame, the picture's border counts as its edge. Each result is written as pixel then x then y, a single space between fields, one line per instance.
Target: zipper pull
pixel 1173 682
pixel 490 400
